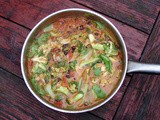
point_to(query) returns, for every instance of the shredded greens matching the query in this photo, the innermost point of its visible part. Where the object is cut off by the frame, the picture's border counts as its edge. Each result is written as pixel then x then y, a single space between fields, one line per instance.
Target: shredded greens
pixel 37 87
pixel 99 92
pixel 70 63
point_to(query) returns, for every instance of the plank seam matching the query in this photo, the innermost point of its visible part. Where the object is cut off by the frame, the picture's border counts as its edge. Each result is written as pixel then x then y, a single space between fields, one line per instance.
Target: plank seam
pixel 122 98
pixel 10 73
pixel 2 69
pixel 96 115
pixel 149 36
pixel 15 22
pixel 110 17
pixel 133 74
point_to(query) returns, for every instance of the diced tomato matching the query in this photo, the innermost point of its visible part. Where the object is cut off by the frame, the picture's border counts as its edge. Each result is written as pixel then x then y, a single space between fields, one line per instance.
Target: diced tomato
pixel 64 81
pixel 70 54
pixel 56 50
pixel 53 38
pixel 58 103
pixel 72 74
pixel 30 63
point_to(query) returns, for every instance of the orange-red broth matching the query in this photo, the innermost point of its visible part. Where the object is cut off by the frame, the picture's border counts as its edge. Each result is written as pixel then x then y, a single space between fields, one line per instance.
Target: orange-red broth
pixel 75 63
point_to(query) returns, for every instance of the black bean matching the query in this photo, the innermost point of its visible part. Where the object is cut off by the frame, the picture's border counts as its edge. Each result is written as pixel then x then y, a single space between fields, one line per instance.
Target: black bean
pixel 89 22
pixel 81 27
pixel 52 76
pixel 65 45
pixel 73 48
pixel 96 34
pixel 69 71
pixel 65 52
pixel 59 79
pixel 67 76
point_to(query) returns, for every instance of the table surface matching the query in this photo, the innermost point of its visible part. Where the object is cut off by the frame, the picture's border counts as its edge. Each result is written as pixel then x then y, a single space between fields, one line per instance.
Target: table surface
pixel 137 20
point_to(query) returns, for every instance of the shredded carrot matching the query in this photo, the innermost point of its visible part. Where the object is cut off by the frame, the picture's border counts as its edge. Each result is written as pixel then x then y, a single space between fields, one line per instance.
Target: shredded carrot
pixel 64 81
pixel 58 103
pixel 70 54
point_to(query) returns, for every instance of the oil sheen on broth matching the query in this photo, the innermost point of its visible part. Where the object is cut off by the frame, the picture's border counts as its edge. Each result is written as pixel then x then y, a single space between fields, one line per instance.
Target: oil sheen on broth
pixel 74 63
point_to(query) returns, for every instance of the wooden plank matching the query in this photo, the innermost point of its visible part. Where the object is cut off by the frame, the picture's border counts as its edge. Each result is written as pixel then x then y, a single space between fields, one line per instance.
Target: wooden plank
pixel 16 102
pixel 141 100
pixel 12 38
pixel 129 36
pixel 139 14
pixel 108 110
pixel 28 14
pixel 12 32
pixel 155 2
pixel 15 9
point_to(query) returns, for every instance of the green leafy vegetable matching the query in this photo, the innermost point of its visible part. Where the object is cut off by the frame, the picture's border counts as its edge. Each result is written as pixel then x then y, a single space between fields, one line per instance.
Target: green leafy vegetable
pixel 58 97
pixel 97 71
pixel 110 49
pixel 88 30
pixel 89 61
pixel 100 25
pixel 80 46
pixel 61 64
pixel 72 65
pixel 40 53
pixel 37 87
pixel 75 98
pixel 99 92
pixel 82 49
pixel 73 86
pixel 63 90
pixel 48 76
pixel 43 38
pixel 48 28
pixel 107 62
pixel 79 85
pixel 34 50
pixel 38 68
pixel 48 89
pixel 98 46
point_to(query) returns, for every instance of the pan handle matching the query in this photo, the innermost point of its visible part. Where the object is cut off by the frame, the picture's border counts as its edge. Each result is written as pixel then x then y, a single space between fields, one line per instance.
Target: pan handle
pixel 143 67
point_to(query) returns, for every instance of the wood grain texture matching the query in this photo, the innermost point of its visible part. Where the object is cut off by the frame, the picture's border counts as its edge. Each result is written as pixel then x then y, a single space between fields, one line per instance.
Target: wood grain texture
pixel 108 110
pixel 34 12
pixel 129 34
pixel 12 38
pixel 141 101
pixel 137 13
pixel 16 102
pixel 7 51
pixel 27 13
